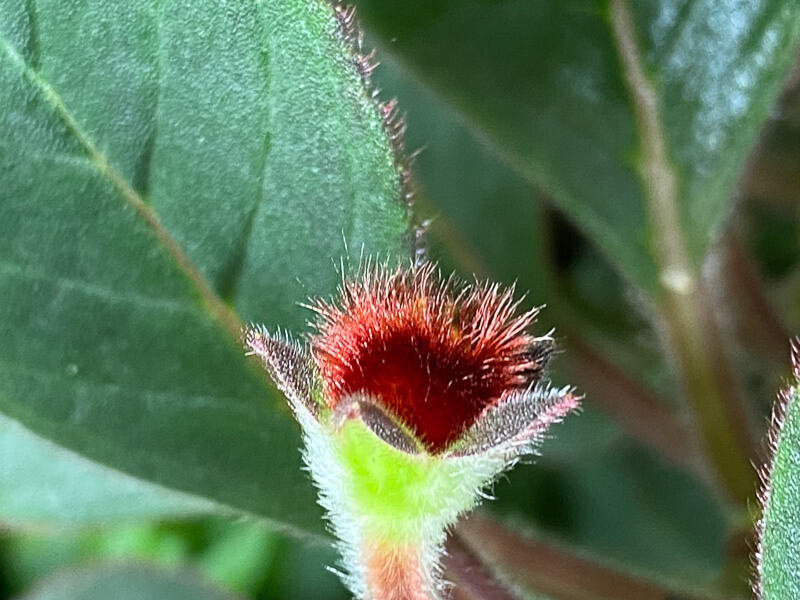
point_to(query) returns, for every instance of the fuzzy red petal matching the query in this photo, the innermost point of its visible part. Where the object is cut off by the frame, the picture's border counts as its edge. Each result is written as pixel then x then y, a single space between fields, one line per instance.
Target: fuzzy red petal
pixel 435 354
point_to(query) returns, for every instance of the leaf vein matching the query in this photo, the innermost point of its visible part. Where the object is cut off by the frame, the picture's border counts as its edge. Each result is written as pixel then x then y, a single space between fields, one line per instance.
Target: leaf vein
pixel 171 398
pixel 216 308
pixel 10 269
pixel 655 171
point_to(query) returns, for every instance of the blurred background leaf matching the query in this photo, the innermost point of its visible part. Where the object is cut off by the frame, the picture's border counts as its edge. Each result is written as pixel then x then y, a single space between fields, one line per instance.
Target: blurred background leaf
pixel 244 556
pixel 543 82
pixel 125 582
pixel 44 485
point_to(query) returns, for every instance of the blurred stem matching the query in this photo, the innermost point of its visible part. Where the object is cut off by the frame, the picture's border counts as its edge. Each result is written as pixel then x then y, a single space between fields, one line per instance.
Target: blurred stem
pixel 757 324
pixel 739 547
pixel 691 331
pixel 472 579
pixel 553 571
pixel 451 237
pixel 641 415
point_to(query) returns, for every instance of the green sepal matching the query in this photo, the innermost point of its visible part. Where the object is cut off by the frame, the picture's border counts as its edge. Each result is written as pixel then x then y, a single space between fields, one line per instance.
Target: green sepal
pixel 380 496
pixel 407 498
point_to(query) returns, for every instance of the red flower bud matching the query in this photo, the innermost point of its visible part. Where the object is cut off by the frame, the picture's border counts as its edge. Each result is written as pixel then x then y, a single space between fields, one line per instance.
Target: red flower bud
pixel 434 355
pixel 413 394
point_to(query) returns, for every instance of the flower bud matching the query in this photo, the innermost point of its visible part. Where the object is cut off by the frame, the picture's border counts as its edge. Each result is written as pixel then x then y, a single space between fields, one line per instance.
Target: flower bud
pixel 413 394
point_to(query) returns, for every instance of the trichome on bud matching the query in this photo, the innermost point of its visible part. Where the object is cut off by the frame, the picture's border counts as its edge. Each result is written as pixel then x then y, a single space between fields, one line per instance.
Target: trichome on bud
pixel 413 394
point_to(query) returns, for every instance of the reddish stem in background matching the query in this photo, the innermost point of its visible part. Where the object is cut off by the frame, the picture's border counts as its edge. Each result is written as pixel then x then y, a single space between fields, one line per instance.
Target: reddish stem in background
pixel 471 578
pixel 756 323
pixel 629 403
pixel 555 572
pixel 641 415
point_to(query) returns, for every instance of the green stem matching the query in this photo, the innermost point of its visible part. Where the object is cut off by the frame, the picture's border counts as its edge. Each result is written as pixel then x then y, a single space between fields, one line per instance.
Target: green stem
pixel 690 329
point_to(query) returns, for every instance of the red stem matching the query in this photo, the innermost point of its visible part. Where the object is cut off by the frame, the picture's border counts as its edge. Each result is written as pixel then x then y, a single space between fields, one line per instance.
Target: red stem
pixel 397 573
pixel 630 404
pixel 471 578
pixel 559 574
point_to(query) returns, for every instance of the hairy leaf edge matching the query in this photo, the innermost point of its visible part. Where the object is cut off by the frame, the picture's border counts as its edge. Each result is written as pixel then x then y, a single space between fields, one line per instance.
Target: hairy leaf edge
pixel 786 397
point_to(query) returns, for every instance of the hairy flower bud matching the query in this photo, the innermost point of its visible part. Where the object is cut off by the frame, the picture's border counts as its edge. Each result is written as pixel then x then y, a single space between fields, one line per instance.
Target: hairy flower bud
pixel 413 394
pixel 433 355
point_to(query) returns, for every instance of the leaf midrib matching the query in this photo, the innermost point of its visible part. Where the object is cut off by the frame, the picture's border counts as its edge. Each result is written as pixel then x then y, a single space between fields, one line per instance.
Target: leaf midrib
pixel 681 300
pixel 657 176
pixel 212 305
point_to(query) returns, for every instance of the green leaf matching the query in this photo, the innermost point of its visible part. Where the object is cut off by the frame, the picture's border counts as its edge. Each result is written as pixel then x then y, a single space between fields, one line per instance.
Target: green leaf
pixel 125 582
pixel 487 221
pixel 44 484
pixel 550 85
pixel 241 555
pixel 778 555
pixel 168 171
pixel 482 214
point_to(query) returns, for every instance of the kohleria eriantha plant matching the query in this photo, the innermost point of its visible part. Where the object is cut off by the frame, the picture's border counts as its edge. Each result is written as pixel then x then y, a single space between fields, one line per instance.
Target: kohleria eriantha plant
pixel 413 394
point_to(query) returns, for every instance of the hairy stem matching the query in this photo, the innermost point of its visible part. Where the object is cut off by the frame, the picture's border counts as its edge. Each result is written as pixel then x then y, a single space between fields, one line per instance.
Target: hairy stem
pixel 397 573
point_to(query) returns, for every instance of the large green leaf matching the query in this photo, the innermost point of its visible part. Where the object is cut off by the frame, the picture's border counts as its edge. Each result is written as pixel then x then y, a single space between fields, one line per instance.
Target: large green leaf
pixel 45 484
pixel 550 84
pixel 126 582
pixel 485 220
pixel 779 530
pixel 168 170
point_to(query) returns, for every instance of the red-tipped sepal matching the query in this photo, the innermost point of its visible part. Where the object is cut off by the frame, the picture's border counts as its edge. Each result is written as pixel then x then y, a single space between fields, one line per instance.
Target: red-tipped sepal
pixel 289 365
pixel 413 394
pixel 516 424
